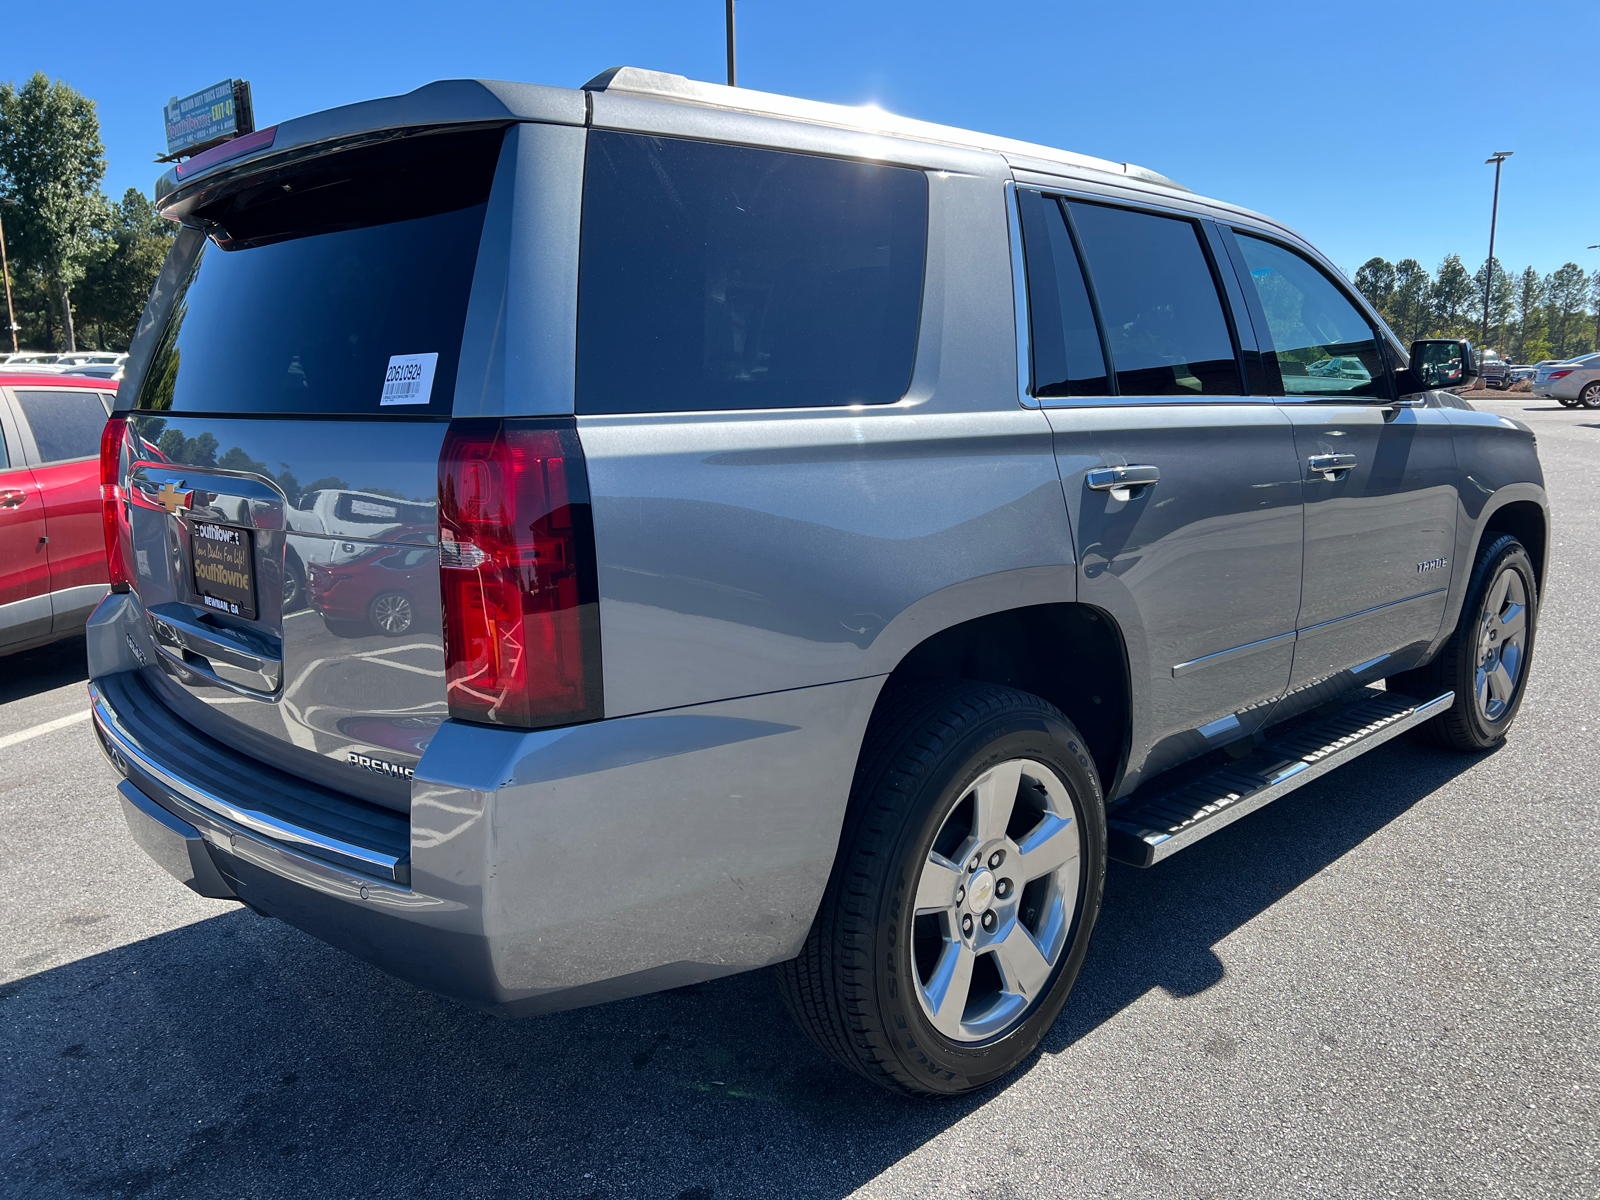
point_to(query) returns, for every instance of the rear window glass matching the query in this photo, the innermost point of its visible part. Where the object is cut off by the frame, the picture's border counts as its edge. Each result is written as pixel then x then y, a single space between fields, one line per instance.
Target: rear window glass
pixel 1158 298
pixel 719 277
pixel 332 288
pixel 65 424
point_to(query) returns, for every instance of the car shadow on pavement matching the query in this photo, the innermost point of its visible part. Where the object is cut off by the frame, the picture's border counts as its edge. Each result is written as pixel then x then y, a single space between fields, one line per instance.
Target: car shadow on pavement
pixel 1158 926
pixel 237 1056
pixel 29 672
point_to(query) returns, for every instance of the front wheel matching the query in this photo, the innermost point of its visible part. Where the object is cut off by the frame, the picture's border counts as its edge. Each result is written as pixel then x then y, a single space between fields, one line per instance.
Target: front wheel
pixel 1590 396
pixel 1486 660
pixel 967 884
pixel 391 613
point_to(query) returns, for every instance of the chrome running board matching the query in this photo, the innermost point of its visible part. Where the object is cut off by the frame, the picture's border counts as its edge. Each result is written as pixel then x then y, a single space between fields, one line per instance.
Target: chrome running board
pixel 1147 832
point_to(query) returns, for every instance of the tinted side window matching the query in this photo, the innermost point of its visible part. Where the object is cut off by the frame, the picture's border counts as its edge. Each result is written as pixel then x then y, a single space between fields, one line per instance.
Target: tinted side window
pixel 717 277
pixel 1067 356
pixel 1158 298
pixel 1325 346
pixel 65 424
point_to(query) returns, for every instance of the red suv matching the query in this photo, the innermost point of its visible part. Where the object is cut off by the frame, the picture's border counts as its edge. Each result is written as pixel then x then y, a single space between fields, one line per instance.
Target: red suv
pixel 52 543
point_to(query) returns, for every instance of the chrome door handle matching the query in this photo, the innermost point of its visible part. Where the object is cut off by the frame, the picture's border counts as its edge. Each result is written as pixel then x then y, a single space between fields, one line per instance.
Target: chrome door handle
pixel 1124 483
pixel 1332 467
pixel 12 498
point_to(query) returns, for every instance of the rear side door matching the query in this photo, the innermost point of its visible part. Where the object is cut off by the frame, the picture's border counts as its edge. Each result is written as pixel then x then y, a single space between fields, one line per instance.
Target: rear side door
pixel 1141 371
pixel 65 425
pixel 24 566
pixel 1380 498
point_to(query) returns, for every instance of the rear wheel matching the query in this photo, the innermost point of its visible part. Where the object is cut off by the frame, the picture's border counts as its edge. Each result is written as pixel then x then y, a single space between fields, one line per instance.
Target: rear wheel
pixel 1590 396
pixel 1486 660
pixel 968 882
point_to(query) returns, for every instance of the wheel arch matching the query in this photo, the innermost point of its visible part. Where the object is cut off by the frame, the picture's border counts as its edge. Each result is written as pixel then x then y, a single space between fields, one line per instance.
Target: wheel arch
pixel 1069 654
pixel 1529 523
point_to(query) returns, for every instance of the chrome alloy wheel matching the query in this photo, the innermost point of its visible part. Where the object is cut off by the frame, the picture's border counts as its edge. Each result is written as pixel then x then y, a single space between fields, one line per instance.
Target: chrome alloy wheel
pixel 995 901
pixel 1502 643
pixel 392 613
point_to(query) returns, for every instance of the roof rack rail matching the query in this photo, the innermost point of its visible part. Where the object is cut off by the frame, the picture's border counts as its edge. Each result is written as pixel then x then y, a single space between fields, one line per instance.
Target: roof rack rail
pixel 660 85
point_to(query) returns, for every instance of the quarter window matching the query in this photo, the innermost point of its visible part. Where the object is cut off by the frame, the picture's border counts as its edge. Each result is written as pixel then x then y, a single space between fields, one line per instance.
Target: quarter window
pixel 1068 359
pixel 720 277
pixel 65 424
pixel 1325 347
pixel 1164 320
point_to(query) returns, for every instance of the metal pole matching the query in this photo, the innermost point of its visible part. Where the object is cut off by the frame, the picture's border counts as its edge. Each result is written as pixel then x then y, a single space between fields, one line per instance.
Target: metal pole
pixel 5 269
pixel 733 77
pixel 1498 158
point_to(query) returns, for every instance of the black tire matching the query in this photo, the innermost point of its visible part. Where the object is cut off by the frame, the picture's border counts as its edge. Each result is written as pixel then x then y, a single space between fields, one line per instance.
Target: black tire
pixel 1590 396
pixel 1566 403
pixel 853 989
pixel 294 584
pixel 392 613
pixel 1466 725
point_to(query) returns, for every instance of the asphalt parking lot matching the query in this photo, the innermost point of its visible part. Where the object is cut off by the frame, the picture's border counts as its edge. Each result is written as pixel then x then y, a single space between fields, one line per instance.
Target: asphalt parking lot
pixel 1383 985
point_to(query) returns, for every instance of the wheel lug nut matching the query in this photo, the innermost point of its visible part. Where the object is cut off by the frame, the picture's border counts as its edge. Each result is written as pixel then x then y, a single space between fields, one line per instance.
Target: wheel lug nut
pixel 1003 888
pixel 961 894
pixel 998 857
pixel 989 921
pixel 977 861
pixel 966 924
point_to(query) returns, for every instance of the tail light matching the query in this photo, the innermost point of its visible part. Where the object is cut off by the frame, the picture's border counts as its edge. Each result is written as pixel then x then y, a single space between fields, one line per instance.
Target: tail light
pixel 1561 374
pixel 114 510
pixel 517 575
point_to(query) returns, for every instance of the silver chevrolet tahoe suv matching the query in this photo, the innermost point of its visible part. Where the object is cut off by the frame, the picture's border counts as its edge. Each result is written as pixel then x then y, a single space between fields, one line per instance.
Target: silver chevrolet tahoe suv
pixel 571 544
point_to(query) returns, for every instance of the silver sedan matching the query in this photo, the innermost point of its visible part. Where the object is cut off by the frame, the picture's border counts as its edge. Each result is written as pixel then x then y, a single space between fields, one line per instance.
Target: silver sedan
pixel 1574 382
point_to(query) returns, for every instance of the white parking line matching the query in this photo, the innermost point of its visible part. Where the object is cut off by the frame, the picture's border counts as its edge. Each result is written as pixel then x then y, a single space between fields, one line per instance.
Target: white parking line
pixel 384 662
pixel 23 735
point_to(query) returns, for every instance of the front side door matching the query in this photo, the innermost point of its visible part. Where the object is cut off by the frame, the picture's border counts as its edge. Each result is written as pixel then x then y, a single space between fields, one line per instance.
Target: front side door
pixel 1198 557
pixel 24 565
pixel 66 424
pixel 1380 499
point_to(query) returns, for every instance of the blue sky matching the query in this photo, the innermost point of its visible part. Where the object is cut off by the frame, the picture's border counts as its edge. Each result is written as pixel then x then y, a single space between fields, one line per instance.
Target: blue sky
pixel 1363 124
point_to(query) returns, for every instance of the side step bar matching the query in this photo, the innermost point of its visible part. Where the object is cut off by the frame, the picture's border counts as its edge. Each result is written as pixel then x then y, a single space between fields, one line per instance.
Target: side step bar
pixel 1155 829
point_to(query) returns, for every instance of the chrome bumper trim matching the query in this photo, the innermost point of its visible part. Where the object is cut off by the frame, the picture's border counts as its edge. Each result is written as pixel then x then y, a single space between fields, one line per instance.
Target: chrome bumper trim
pixel 116 739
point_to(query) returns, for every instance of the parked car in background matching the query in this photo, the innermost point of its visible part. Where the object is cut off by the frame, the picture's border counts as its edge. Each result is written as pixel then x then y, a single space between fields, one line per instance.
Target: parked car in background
pixel 1573 382
pixel 383 589
pixel 52 541
pixel 1494 371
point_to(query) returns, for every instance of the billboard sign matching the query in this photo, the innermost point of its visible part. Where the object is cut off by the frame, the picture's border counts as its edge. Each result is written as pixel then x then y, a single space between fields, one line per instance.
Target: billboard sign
pixel 219 112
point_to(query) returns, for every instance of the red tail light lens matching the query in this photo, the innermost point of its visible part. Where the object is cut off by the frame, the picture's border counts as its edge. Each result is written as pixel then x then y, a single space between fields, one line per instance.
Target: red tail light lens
pixel 1560 374
pixel 517 573
pixel 114 510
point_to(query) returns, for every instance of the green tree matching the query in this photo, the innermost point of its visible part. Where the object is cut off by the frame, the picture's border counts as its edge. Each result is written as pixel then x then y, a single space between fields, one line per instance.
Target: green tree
pixel 1530 316
pixel 1594 297
pixel 1409 306
pixel 1566 289
pixel 118 280
pixel 51 163
pixel 1375 281
pixel 1451 298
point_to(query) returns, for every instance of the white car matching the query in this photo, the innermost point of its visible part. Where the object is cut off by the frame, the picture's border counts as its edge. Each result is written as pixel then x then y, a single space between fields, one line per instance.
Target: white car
pixel 1574 382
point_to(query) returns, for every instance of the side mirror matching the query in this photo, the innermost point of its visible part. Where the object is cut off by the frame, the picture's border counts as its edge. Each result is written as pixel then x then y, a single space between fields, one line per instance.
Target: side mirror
pixel 1443 363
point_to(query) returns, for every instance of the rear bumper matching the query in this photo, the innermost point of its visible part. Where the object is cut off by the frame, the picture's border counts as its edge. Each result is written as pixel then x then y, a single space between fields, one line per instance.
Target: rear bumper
pixel 541 871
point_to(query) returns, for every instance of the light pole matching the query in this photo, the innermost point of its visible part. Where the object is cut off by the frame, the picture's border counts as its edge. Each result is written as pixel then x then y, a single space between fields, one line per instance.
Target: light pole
pixel 733 77
pixel 1498 158
pixel 5 269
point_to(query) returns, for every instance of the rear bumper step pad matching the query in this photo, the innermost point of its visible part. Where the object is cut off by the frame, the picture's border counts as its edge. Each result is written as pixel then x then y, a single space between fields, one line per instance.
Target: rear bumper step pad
pixel 1153 830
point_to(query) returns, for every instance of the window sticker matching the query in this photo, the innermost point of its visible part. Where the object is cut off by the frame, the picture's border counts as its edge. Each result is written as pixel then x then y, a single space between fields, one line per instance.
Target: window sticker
pixel 409 379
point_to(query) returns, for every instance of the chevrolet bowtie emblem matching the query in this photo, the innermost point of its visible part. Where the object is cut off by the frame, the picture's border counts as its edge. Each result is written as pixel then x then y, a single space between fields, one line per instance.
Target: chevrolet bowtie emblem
pixel 172 499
